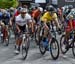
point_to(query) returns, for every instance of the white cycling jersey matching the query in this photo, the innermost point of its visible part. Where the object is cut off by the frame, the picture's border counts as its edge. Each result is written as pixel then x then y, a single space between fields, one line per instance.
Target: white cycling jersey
pixel 22 21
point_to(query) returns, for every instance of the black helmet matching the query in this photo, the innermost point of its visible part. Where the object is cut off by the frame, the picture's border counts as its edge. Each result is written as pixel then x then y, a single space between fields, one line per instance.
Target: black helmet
pixel 51 9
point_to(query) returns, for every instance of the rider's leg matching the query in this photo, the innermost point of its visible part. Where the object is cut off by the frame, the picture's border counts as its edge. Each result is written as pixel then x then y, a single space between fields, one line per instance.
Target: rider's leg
pixel 6 32
pixel 46 31
pixel 67 35
pixel 18 44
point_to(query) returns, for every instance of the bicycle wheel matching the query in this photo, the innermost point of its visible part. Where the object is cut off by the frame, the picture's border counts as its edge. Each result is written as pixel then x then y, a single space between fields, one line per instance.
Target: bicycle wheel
pixel 54 48
pixel 63 44
pixel 37 36
pixel 73 48
pixel 41 47
pixel 25 47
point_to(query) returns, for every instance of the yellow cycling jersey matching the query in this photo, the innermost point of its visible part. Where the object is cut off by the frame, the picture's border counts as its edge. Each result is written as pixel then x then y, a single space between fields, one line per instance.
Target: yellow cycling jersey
pixel 48 16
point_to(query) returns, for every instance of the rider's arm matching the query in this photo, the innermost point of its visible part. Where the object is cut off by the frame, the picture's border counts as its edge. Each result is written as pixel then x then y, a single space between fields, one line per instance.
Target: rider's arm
pixel 45 23
pixel 71 24
pixel 11 21
pixel 56 20
pixel 17 27
pixel 45 18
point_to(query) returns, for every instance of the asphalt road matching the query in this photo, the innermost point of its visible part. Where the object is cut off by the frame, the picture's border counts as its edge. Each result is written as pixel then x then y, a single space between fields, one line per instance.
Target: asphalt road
pixel 7 55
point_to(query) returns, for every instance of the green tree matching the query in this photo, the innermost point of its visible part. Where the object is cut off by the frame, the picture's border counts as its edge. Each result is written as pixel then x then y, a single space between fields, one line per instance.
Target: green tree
pixel 8 3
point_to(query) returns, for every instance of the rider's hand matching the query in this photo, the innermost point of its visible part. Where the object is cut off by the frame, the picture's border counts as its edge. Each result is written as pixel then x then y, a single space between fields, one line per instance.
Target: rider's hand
pixel 46 27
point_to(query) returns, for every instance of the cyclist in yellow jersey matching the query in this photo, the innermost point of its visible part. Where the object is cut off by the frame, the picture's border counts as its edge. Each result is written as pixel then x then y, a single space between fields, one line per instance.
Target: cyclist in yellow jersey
pixel 49 16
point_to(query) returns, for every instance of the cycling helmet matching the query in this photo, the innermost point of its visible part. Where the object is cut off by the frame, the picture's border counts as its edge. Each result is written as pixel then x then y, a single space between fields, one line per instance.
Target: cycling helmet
pixel 41 9
pixel 70 6
pixel 23 10
pixel 51 8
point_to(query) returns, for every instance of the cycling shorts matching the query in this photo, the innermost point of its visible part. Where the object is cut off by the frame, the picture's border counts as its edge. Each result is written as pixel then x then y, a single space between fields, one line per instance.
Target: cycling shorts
pixel 22 28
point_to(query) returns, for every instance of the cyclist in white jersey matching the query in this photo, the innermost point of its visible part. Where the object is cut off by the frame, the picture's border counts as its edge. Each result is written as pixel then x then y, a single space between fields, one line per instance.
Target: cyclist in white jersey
pixel 21 20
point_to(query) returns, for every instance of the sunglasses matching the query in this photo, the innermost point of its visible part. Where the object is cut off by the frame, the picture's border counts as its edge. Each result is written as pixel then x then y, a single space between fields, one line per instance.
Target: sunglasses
pixel 23 12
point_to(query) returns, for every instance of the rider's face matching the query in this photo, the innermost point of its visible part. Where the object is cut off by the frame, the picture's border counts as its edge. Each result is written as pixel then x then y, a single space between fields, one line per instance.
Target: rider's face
pixel 23 14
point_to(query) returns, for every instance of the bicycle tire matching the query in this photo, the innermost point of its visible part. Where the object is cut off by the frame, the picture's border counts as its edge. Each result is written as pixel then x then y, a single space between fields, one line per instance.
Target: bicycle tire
pixel 41 45
pixel 73 46
pixel 56 42
pixel 25 48
pixel 63 52
pixel 37 36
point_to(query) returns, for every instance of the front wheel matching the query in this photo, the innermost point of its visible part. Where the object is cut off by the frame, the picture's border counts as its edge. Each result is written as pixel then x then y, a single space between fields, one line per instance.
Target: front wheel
pixel 73 48
pixel 42 47
pixel 25 47
pixel 24 52
pixel 54 48
pixel 63 44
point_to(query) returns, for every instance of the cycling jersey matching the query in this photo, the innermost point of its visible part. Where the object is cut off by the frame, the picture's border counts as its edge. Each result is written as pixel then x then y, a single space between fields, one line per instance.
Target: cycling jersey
pixel 70 25
pixel 36 13
pixel 73 23
pixel 22 21
pixel 48 16
pixel 6 18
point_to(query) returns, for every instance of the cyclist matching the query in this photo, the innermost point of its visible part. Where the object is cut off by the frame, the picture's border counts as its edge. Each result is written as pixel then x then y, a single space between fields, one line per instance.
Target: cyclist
pixel 14 13
pixel 37 13
pixel 70 27
pixel 50 16
pixel 21 20
pixel 5 22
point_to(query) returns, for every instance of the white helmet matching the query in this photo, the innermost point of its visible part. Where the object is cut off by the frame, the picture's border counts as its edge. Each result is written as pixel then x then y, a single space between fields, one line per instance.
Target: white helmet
pixel 41 9
pixel 23 10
